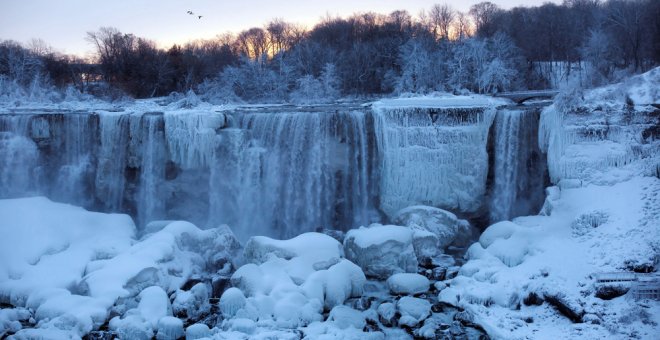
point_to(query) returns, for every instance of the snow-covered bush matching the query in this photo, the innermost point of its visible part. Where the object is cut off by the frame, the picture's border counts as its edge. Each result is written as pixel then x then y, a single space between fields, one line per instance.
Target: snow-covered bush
pixel 586 222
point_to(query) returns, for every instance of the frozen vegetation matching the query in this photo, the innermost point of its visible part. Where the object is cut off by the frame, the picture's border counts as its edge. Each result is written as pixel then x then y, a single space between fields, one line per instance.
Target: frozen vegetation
pixel 345 221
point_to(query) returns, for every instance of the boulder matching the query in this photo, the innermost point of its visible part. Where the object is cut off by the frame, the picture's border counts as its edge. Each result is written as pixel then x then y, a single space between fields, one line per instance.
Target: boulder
pixel 381 250
pixel 408 284
pixel 443 224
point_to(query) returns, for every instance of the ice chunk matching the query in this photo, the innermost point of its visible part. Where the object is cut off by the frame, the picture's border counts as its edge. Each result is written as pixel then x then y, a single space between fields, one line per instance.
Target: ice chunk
pixel 169 328
pixel 197 331
pixel 314 246
pixel 154 304
pixel 408 283
pixel 344 317
pixel 387 313
pixel 499 230
pixel 241 325
pixel 194 302
pixel 132 326
pixel 413 310
pixel 232 301
pixel 444 224
pixel 336 284
pixel 381 250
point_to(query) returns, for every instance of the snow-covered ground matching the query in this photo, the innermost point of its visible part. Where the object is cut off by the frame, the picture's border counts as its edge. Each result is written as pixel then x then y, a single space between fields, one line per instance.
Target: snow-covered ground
pixel 66 272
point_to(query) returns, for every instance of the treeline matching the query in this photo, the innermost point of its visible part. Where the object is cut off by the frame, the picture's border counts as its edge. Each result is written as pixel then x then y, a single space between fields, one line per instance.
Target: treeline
pixel 485 50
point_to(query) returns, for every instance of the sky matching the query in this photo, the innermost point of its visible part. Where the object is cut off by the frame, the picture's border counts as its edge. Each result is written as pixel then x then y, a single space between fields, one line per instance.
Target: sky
pixel 63 24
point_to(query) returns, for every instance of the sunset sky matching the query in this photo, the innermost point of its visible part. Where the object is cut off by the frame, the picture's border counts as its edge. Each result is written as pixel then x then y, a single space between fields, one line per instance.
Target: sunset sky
pixel 63 24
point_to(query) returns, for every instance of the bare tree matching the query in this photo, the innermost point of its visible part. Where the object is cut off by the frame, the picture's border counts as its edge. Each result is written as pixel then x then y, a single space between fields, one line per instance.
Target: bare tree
pixel 442 17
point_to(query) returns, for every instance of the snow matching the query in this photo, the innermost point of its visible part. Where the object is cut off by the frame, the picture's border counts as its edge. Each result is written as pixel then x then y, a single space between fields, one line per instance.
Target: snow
pixel 195 302
pixel 413 310
pixel 232 301
pixel 530 254
pixel 69 266
pixel 197 331
pixel 439 100
pixel 169 327
pixel 408 284
pixel 444 224
pixel 344 317
pixel 381 250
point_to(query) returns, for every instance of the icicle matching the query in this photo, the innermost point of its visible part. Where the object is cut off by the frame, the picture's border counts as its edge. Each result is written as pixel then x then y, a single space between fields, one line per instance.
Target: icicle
pixel 432 156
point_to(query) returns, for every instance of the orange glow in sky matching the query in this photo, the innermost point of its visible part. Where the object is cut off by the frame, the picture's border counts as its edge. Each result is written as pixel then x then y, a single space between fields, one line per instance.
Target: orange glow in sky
pixel 63 24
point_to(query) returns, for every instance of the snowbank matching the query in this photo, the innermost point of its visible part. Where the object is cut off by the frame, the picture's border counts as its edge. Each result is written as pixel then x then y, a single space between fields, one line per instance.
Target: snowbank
pixel 71 267
pixel 540 267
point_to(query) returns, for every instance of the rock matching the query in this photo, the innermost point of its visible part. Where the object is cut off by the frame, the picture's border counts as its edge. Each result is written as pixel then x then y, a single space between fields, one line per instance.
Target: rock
pixel 428 330
pixel 232 301
pixel 344 317
pixel 568 307
pixel 197 331
pixel 388 314
pixel 381 250
pixel 194 303
pixel 413 310
pixel 444 224
pixel 154 304
pixel 426 245
pixel 220 283
pixel 169 328
pixel 533 299
pixel 609 292
pixel 436 274
pixel 408 284
pixel 314 246
pixel 362 303
pixel 243 325
pixel 452 272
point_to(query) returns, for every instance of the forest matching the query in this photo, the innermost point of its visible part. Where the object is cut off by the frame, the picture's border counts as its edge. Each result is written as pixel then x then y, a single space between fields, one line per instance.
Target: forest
pixel 485 50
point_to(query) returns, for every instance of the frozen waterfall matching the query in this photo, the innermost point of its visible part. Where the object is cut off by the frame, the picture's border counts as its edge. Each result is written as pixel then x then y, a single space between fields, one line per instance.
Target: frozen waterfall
pixel 278 171
pixel 518 167
pixel 286 173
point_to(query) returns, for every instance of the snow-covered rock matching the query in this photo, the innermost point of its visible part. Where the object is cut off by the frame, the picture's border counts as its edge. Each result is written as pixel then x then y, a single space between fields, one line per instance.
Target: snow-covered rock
pixel 194 302
pixel 344 317
pixel 232 301
pixel 413 310
pixel 336 284
pixel 381 250
pixel 197 331
pixel 443 224
pixel 169 328
pixel 408 284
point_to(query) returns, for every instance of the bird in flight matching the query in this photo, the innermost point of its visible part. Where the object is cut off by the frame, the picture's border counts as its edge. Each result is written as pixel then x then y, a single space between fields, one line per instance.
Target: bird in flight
pixel 191 13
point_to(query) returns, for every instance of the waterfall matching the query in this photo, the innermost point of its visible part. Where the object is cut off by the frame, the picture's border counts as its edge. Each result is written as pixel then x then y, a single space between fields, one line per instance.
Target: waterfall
pixel 285 173
pixel 518 166
pixel 432 156
pixel 151 203
pixel 112 161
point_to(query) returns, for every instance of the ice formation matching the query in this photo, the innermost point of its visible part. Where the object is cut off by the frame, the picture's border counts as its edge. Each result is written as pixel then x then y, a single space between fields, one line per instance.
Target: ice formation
pixel 448 138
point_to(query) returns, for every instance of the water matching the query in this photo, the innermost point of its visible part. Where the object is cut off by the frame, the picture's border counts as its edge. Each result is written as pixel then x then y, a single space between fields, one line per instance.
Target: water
pixel 518 178
pixel 282 174
pixel 276 172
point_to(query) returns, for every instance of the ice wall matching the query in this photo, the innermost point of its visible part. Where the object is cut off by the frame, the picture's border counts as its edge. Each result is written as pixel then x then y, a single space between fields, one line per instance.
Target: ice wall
pixel 600 144
pixel 518 169
pixel 433 156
